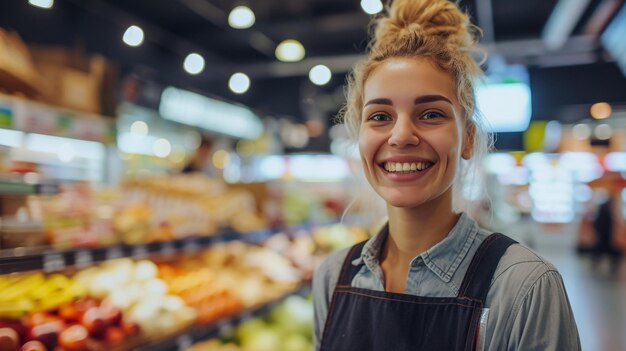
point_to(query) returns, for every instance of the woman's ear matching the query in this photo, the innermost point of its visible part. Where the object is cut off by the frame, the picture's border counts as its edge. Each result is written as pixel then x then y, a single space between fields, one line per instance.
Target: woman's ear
pixel 468 140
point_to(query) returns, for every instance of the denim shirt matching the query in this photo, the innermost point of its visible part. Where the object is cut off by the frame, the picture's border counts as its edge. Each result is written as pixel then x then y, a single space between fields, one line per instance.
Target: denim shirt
pixel 528 308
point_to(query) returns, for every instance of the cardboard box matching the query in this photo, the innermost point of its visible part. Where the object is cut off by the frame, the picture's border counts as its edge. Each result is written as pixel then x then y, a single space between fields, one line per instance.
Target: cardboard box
pixel 17 71
pixel 71 79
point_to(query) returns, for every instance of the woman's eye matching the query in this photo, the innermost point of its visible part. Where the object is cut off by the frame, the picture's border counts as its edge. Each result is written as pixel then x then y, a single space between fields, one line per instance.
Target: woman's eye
pixel 379 117
pixel 432 115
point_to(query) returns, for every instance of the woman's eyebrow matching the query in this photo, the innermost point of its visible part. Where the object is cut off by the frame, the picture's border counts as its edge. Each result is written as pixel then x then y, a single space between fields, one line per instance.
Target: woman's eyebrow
pixel 431 98
pixel 380 101
pixel 419 100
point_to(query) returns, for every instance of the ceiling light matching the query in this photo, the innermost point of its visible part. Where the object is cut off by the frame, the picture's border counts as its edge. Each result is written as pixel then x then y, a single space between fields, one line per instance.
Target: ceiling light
pixel 194 63
pixel 290 50
pixel 603 132
pixel 139 128
pixel 241 17
pixel 44 4
pixel 162 148
pixel 600 110
pixel 371 7
pixel 320 75
pixel 133 36
pixel 239 83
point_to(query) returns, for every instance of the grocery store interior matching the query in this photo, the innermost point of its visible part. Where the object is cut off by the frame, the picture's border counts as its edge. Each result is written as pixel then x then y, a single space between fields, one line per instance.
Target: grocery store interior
pixel 172 172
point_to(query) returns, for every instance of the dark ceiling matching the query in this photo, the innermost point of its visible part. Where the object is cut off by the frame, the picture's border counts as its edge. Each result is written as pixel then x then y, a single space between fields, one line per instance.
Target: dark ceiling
pixel 334 32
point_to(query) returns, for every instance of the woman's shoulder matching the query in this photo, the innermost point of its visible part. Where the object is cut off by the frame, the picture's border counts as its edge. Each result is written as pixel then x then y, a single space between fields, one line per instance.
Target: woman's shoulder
pixel 522 262
pixel 520 271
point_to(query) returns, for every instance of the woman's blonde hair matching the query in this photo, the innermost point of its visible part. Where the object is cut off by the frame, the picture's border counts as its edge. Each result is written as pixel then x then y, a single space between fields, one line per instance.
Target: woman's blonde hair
pixel 439 31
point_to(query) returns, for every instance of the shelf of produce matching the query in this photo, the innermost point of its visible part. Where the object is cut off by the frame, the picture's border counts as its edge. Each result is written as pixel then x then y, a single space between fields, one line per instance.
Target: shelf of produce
pixel 183 339
pixel 48 260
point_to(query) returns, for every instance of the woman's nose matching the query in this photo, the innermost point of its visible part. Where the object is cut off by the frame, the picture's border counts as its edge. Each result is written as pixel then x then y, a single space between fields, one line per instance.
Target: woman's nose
pixel 403 133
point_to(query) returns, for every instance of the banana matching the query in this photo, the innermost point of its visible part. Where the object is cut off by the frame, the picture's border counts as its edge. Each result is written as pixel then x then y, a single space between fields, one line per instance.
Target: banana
pixel 20 287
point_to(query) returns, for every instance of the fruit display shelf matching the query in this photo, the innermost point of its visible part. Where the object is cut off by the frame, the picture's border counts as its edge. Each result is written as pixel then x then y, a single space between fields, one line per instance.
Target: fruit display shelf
pixel 183 339
pixel 49 260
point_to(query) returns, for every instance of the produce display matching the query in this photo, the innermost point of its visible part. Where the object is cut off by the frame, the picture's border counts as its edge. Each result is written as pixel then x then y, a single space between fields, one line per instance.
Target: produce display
pixel 228 278
pixel 142 211
pixel 288 327
pixel 84 324
pixel 135 288
pixel 125 303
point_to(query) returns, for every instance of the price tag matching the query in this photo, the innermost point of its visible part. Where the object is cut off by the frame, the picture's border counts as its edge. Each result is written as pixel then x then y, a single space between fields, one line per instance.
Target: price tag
pixel 184 342
pixel 168 249
pixel 83 259
pixel 53 262
pixel 114 252
pixel 140 251
pixel 191 246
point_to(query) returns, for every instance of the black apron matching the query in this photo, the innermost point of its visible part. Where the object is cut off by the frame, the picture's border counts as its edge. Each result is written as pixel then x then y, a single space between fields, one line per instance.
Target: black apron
pixel 362 320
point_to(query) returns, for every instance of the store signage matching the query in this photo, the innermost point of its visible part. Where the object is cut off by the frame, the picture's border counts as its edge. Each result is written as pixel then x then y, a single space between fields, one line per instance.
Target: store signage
pixel 6 116
pixel 34 117
pixel 506 106
pixel 200 111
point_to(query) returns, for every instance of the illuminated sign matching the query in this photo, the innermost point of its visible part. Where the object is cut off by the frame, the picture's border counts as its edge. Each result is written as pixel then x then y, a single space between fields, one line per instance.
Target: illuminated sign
pixel 210 114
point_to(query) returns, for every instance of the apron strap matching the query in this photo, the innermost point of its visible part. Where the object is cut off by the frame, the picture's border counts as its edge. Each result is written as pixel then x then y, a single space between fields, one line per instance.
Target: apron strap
pixel 348 270
pixel 480 272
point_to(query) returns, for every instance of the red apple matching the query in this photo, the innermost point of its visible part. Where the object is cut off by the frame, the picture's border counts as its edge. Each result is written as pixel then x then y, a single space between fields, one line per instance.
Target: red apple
pixel 16 325
pixel 47 333
pixel 37 318
pixel 74 338
pixel 130 328
pixel 94 321
pixel 114 335
pixel 9 340
pixel 111 314
pixel 69 313
pixel 33 345
pixel 82 305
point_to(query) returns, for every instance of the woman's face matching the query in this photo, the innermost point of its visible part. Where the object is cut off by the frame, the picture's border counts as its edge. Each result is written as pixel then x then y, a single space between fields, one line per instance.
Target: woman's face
pixel 411 133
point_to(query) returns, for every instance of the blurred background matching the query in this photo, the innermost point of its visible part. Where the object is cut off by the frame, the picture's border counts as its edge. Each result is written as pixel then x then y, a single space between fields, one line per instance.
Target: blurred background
pixel 171 172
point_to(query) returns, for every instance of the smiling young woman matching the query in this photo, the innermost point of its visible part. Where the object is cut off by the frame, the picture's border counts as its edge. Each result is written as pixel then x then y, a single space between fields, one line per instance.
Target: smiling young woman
pixel 431 279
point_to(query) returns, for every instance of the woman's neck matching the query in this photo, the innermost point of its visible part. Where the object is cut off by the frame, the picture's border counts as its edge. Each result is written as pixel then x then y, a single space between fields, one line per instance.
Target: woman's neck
pixel 413 231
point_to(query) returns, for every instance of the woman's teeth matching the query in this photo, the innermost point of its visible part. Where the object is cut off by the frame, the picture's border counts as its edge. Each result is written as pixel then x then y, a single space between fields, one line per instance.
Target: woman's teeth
pixel 406 167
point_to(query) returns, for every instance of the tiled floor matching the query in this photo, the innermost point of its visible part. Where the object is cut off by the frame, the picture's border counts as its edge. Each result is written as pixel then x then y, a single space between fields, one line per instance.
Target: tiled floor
pixel 597 294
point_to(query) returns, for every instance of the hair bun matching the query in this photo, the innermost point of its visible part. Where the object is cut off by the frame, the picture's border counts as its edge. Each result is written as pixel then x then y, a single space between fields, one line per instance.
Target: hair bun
pixel 423 20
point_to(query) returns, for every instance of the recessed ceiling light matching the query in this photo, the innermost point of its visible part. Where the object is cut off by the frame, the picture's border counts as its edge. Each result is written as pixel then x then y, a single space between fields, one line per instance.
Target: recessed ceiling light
pixel 239 83
pixel 320 75
pixel 290 50
pixel 371 7
pixel 44 4
pixel 600 110
pixel 194 63
pixel 241 17
pixel 133 36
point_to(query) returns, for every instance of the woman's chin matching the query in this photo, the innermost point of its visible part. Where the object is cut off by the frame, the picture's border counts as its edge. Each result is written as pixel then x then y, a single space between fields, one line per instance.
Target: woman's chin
pixel 403 201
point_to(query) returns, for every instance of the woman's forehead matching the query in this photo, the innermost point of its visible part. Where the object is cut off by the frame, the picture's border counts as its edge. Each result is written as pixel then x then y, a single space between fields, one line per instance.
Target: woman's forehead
pixel 408 78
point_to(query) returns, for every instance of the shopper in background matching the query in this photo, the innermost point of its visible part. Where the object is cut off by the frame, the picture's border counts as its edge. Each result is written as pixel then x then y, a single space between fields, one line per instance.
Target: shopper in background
pixel 431 279
pixel 604 226
pixel 201 160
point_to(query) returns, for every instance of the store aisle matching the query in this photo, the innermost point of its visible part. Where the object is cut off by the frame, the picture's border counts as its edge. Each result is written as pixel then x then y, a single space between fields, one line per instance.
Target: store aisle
pixel 597 293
